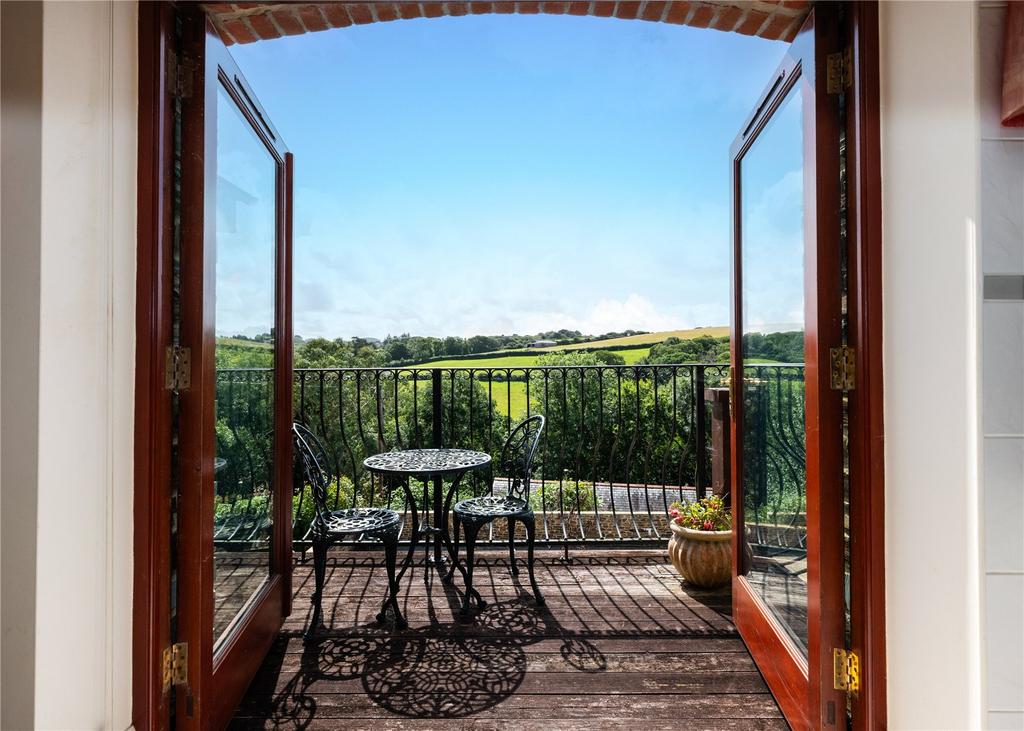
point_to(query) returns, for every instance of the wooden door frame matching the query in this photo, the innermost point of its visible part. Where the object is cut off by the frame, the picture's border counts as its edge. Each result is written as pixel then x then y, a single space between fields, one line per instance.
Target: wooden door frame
pixel 219 675
pixel 151 541
pixel 866 406
pixel 151 630
pixel 792 677
pixel 151 620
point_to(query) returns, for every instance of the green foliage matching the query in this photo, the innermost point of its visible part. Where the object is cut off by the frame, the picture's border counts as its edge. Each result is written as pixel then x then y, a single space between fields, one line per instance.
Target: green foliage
pixel 337 353
pixel 702 349
pixel 780 347
pixel 612 426
pixel 573 497
pixel 707 514
pixel 235 353
pixel 607 357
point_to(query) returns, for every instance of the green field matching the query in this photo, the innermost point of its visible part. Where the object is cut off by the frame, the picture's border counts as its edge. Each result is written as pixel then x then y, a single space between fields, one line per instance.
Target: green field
pixel 501 392
pixel 505 361
pixel 644 339
pixel 631 356
pixel 237 342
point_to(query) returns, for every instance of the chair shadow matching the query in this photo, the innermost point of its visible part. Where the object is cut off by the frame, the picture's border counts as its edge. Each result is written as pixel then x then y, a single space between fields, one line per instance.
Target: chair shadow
pixel 447 669
pixel 450 668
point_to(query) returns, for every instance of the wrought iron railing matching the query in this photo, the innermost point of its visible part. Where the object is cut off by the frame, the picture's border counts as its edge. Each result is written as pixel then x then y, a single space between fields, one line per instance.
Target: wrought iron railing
pixel 621 443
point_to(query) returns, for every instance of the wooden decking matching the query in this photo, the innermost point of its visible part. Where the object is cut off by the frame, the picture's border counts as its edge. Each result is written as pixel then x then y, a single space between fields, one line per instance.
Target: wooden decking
pixel 621 644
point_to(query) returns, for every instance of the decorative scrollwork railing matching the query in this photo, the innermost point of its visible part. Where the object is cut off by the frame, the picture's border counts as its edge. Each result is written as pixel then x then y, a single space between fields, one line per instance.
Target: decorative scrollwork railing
pixel 620 445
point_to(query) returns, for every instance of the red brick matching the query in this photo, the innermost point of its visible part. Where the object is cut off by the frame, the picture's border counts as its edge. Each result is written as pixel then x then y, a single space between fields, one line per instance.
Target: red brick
pixel 289 24
pixel 478 8
pixel 337 16
pixel 654 10
pixel 727 18
pixel 794 28
pixel 245 6
pixel 752 23
pixel 627 9
pixel 311 17
pixel 604 8
pixel 409 10
pixel 218 8
pixel 433 10
pixel 457 9
pixel 702 16
pixel 237 30
pixel 360 13
pixel 778 25
pixel 678 12
pixel 796 4
pixel 386 12
pixel 579 8
pixel 529 8
pixel 555 8
pixel 224 37
pixel 263 27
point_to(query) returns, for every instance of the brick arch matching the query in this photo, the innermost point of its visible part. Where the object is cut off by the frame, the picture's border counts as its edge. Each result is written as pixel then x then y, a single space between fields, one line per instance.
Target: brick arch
pixel 250 22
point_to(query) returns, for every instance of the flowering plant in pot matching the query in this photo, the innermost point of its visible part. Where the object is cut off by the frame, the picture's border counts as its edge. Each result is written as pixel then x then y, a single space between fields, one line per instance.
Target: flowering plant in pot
pixel 700 546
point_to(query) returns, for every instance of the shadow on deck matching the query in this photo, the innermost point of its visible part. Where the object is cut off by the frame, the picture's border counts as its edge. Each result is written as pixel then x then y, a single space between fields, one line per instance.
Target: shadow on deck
pixel 621 643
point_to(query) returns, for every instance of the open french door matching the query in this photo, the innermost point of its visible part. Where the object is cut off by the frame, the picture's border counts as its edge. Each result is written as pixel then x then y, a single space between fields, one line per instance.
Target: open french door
pixel 233 547
pixel 787 425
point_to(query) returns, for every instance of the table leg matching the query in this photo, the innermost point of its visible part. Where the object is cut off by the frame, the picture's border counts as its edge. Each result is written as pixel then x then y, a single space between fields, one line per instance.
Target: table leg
pixel 446 537
pixel 438 525
pixel 414 539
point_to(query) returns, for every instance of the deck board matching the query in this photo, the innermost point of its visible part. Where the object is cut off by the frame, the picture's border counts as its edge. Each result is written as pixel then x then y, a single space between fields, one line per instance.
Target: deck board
pixel 621 643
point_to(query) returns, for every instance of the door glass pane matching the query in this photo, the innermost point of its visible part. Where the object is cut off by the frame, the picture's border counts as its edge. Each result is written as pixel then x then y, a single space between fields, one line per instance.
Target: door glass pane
pixel 245 245
pixel 774 458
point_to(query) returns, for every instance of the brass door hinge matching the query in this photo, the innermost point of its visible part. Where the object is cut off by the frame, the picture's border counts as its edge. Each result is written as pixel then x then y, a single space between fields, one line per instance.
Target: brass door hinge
pixel 846 671
pixel 175 662
pixel 839 69
pixel 843 368
pixel 180 73
pixel 178 368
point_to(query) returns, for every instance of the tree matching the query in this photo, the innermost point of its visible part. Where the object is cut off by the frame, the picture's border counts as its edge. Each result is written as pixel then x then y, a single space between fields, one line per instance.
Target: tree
pixel 482 344
pixel 396 350
pixel 452 345
pixel 323 353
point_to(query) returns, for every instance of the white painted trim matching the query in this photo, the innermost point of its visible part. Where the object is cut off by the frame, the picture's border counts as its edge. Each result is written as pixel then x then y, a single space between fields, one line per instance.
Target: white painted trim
pixel 930 139
pixel 87 358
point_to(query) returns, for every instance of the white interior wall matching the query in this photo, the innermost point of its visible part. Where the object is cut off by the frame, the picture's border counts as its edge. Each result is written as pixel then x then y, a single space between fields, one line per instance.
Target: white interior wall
pixel 86 366
pixel 930 159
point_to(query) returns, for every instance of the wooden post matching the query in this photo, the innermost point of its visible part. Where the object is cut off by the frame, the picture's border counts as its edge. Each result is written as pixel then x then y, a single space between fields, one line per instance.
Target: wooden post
pixel 719 400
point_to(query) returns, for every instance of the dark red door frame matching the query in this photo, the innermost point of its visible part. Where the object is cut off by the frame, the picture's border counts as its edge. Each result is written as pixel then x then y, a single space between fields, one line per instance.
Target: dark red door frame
pixel 151 587
pixel 152 531
pixel 799 682
pixel 867 460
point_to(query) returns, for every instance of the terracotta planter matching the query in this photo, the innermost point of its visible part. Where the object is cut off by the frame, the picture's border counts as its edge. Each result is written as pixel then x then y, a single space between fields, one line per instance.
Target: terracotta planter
pixel 703 558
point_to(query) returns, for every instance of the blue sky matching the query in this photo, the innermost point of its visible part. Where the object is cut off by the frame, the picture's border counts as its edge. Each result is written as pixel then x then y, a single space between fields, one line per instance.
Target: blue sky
pixel 500 174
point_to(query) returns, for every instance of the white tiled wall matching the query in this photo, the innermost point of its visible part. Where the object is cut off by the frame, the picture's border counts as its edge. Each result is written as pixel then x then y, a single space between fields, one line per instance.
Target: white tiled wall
pixel 1002 374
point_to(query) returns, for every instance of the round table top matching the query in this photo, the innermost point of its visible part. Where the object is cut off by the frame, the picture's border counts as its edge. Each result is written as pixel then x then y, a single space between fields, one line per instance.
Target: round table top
pixel 426 461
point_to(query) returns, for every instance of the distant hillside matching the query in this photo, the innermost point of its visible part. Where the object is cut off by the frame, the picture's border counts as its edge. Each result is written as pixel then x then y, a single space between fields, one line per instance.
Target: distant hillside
pixel 243 343
pixel 644 339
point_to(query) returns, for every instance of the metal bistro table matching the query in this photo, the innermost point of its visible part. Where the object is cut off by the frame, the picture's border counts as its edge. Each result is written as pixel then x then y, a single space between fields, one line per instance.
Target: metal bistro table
pixel 431 466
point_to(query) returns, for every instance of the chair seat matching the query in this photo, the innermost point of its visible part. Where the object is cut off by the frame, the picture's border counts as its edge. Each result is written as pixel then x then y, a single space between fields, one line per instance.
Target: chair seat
pixel 492 506
pixel 361 520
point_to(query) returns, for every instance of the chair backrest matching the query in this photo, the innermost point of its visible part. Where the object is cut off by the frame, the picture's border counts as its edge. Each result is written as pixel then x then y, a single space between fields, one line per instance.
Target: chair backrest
pixel 314 464
pixel 517 455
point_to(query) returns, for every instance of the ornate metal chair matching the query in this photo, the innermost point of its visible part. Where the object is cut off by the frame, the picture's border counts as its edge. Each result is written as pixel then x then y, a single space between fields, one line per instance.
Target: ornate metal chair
pixel 330 526
pixel 471 515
